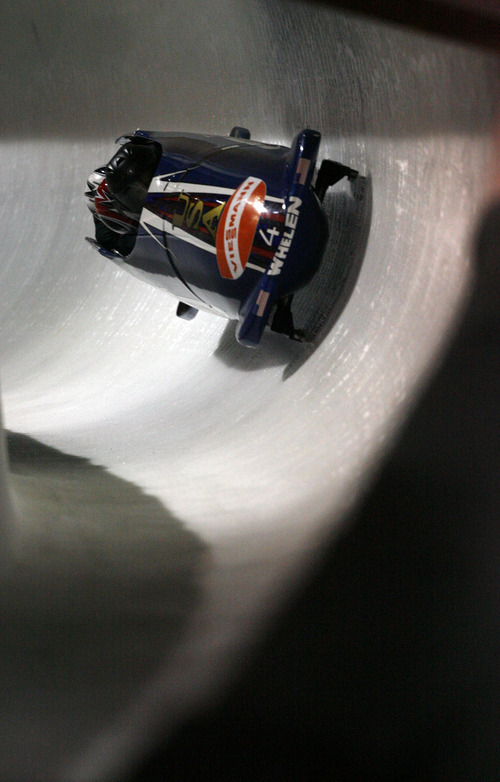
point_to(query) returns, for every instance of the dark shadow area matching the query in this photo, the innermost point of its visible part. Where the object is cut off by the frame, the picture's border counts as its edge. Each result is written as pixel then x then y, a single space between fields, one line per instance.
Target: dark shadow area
pixel 369 63
pixel 52 58
pixel 318 306
pixel 99 593
pixel 385 664
pixel 476 22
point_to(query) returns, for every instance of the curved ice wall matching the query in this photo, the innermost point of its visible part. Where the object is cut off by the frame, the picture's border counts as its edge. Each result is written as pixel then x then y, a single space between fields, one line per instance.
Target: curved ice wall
pixel 166 479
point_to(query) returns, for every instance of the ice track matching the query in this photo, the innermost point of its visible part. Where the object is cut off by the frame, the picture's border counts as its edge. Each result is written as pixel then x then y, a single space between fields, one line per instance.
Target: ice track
pixel 166 486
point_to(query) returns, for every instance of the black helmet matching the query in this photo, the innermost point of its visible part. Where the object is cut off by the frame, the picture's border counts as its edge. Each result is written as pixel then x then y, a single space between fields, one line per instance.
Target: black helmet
pixel 129 174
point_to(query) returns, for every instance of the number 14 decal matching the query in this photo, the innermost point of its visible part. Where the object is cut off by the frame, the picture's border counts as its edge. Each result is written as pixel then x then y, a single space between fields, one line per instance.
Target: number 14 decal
pixel 268 235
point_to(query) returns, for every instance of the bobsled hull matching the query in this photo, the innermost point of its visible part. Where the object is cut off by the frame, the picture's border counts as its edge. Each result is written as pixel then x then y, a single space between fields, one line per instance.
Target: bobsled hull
pixel 229 225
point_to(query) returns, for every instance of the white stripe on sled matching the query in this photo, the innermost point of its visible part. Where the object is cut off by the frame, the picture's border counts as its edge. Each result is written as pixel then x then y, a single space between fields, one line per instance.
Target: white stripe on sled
pixel 161 185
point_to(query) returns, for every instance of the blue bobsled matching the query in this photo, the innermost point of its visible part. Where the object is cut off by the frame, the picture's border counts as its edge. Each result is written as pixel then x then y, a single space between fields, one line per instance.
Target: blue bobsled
pixel 225 224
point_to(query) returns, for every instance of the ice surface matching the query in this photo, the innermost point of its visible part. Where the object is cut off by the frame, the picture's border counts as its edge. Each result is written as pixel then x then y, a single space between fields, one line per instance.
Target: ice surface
pixel 169 484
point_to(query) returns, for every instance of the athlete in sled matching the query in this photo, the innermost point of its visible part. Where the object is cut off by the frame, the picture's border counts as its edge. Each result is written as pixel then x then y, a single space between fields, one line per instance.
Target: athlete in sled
pixel 225 224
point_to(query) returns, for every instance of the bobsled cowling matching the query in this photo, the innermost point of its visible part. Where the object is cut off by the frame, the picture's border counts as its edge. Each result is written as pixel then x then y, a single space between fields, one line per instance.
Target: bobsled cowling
pixel 229 225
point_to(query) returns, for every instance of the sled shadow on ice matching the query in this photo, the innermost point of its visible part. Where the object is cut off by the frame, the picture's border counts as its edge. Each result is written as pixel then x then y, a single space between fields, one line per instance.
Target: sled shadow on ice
pixel 321 303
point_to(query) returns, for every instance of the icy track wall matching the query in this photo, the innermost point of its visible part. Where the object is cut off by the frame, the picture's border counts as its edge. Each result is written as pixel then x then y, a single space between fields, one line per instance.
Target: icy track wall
pixel 168 482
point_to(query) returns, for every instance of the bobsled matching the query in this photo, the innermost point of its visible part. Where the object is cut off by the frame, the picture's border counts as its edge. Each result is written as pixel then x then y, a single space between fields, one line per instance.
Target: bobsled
pixel 228 225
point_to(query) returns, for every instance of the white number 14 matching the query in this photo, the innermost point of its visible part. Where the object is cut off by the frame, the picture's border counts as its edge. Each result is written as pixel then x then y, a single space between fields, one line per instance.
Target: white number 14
pixel 271 233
